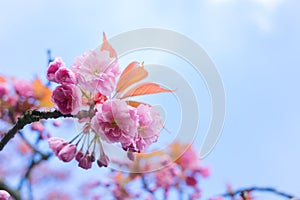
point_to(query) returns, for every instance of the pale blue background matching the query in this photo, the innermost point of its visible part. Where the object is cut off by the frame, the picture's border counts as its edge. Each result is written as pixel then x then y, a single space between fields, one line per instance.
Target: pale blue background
pixel 255 45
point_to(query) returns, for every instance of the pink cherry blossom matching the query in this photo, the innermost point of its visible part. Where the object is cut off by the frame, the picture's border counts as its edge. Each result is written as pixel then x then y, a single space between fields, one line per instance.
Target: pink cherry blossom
pixel 116 122
pixel 53 67
pixel 65 76
pixel 56 144
pixel 149 128
pixel 96 71
pixel 67 99
pixel 4 195
pixel 67 153
pixel 189 159
pixel 204 171
pixel 23 88
pixel 168 176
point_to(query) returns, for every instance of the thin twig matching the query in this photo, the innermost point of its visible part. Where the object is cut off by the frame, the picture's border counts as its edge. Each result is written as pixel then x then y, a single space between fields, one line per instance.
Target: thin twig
pixel 146 187
pixel 33 163
pixel 29 117
pixel 259 189
pixel 30 145
pixel 31 166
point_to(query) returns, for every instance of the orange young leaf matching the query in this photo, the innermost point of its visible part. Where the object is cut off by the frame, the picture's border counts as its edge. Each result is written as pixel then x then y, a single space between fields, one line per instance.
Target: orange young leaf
pixel 42 93
pixel 132 74
pixel 130 67
pixel 145 88
pixel 107 47
pixel 135 103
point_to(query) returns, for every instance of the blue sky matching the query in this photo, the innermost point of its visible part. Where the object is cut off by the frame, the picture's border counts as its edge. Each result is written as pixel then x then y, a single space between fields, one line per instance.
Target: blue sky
pixel 254 44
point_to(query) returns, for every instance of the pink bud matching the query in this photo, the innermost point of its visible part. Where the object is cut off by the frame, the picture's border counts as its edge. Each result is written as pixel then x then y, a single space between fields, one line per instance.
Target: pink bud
pixel 79 155
pixel 131 155
pixel 103 161
pixel 4 195
pixel 67 153
pixel 56 144
pixel 53 67
pixel 85 162
pixel 92 157
pixel 65 76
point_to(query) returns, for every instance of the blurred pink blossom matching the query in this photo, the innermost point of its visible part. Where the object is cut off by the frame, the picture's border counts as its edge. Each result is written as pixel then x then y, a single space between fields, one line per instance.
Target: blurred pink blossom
pixel 167 177
pixel 189 159
pixel 204 171
pixel 38 126
pixel 23 88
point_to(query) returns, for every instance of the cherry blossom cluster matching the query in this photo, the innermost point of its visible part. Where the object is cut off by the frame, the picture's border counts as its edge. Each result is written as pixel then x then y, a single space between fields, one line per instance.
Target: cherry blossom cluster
pixel 17 96
pixel 95 91
pixel 183 170
pixel 67 96
pixel 174 173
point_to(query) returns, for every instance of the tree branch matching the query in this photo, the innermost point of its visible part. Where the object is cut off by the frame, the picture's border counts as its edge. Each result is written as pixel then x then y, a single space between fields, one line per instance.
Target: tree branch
pixel 30 168
pixel 258 189
pixel 29 117
pixel 14 193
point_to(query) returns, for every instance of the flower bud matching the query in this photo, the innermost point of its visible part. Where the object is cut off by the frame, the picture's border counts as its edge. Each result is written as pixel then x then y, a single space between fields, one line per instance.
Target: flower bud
pixel 67 153
pixel 103 161
pixel 53 67
pixel 56 144
pixel 85 162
